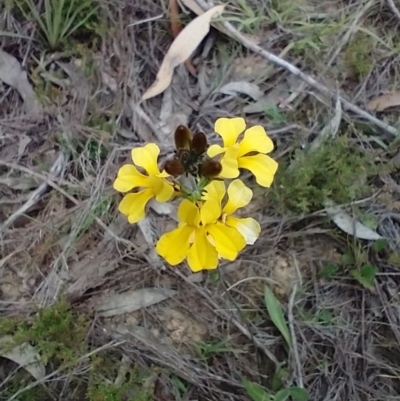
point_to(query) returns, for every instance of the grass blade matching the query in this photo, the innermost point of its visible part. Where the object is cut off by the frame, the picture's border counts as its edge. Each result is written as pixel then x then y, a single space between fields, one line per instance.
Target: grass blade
pixel 275 312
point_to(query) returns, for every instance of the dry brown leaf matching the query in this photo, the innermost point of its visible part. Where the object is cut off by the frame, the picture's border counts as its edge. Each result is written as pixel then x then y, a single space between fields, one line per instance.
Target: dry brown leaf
pixel 383 102
pixel 181 49
pixel 193 6
pixel 12 74
pixel 176 28
pixel 131 301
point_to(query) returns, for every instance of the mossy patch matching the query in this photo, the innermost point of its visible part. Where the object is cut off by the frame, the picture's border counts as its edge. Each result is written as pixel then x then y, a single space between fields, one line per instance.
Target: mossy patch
pixel 336 170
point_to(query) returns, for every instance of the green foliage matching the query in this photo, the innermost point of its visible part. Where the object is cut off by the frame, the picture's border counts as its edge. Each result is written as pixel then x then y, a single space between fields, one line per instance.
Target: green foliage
pixel 379 245
pixel 329 270
pixel 60 18
pixel 358 54
pixel 365 275
pixel 132 390
pixel 55 332
pixel 256 392
pixel 335 170
pixel 275 312
pixel 205 350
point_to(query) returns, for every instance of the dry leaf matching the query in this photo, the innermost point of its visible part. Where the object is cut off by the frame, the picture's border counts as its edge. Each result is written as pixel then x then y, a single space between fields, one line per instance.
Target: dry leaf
pixel 193 6
pixel 176 28
pixel 348 224
pixel 181 49
pixel 12 74
pixel 270 100
pixel 244 87
pixel 131 301
pixel 384 102
pixel 26 356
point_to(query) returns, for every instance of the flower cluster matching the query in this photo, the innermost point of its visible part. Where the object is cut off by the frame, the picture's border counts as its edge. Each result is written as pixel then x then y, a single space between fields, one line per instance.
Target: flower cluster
pixel 207 229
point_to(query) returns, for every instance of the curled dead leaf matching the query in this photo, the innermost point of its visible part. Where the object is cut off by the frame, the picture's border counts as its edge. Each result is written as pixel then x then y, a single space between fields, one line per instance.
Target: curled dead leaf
pixel 348 224
pixel 181 49
pixel 383 102
pixel 193 6
pixel 25 356
pixel 12 74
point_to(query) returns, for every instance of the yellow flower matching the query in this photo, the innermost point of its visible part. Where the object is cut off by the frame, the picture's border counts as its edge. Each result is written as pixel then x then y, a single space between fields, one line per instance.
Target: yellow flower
pixel 235 154
pixel 207 232
pixel 238 196
pixel 154 183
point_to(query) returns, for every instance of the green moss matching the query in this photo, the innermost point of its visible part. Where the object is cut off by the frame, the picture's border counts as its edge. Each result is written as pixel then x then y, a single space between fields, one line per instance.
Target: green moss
pixel 358 54
pixel 55 332
pixel 133 389
pixel 336 170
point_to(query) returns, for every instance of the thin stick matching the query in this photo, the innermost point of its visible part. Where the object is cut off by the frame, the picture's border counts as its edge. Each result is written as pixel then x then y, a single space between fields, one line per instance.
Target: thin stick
pixel 37 194
pixel 394 9
pixel 294 338
pixel 300 74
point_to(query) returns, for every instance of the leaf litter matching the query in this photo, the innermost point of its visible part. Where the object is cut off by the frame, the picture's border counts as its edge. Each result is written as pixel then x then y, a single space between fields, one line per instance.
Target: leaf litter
pixel 12 74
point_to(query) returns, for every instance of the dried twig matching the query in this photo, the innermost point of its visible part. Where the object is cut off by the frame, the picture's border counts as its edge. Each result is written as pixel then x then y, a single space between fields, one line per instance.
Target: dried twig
pixel 296 355
pixel 300 74
pixel 37 194
pixel 394 9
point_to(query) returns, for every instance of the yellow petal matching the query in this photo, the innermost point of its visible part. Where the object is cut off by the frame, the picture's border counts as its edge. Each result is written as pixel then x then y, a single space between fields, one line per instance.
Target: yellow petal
pixel 238 196
pixel 229 129
pixel 215 190
pixel 255 140
pixel 215 150
pixel 163 190
pixel 228 241
pixel 210 211
pixel 189 213
pixel 249 228
pixel 202 255
pixel 262 166
pixel 230 166
pixel 146 157
pixel 129 178
pixel 133 205
pixel 174 245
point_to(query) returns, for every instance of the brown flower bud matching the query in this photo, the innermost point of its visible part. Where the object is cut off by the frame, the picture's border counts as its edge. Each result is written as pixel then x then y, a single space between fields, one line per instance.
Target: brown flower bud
pixel 210 168
pixel 199 143
pixel 183 137
pixel 174 168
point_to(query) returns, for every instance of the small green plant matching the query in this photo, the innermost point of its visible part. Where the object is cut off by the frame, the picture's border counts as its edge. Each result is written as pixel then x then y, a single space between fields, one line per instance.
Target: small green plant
pixel 132 390
pixel 365 276
pixel 60 18
pixel 275 312
pixel 257 393
pixel 205 350
pixel 312 177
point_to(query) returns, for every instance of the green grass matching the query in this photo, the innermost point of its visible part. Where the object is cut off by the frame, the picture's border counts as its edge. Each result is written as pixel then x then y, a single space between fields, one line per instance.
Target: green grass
pixel 59 19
